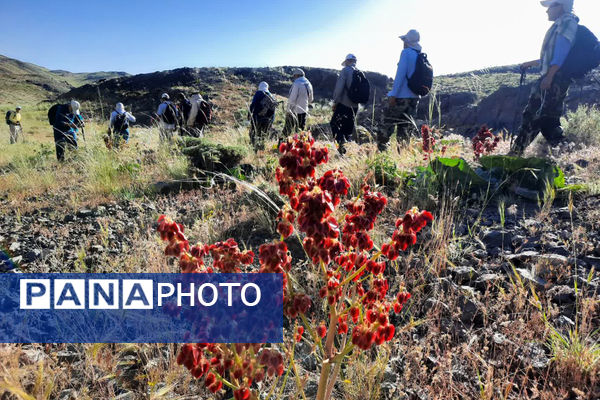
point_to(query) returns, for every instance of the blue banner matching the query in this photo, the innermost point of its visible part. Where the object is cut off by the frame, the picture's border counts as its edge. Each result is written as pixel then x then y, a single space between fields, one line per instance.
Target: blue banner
pixel 141 308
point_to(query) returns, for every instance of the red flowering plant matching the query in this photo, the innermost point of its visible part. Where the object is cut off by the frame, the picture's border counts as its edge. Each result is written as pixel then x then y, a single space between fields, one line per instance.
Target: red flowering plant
pixel 484 142
pixel 353 286
pixel 429 142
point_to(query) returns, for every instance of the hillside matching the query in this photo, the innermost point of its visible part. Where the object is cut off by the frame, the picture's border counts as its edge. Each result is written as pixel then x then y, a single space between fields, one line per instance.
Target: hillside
pixel 27 83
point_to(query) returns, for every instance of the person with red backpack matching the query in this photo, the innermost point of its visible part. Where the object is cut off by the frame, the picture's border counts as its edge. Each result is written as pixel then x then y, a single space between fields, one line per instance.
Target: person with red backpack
pixel 402 100
pixel 200 115
pixel 569 52
pixel 344 108
pixel 167 114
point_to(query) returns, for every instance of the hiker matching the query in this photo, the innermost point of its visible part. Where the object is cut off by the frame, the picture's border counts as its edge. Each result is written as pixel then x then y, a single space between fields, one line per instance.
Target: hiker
pixel 119 124
pixel 200 116
pixel 167 114
pixel 185 106
pixel 344 109
pixel 402 101
pixel 301 95
pixel 13 120
pixel 547 96
pixel 66 121
pixel 262 115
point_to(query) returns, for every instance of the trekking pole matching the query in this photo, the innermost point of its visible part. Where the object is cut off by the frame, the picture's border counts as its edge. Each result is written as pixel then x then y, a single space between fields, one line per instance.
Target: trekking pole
pixel 519 95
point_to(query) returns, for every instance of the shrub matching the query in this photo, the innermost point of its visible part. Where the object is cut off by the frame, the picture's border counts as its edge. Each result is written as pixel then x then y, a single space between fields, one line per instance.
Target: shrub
pixel 583 125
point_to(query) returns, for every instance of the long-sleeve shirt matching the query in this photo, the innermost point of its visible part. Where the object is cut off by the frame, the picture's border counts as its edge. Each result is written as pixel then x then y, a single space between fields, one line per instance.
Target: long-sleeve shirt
pixel 301 95
pixel 344 80
pixel 114 114
pixel 561 51
pixel 406 68
pixel 565 26
pixel 162 107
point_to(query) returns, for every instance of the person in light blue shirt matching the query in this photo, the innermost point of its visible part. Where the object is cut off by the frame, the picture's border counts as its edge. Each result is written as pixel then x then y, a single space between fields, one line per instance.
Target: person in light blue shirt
pixel 402 102
pixel 546 99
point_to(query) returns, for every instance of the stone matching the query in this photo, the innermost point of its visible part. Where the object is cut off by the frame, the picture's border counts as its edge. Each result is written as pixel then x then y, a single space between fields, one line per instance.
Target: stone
pixel 97 249
pixel 68 356
pixel 562 294
pixel 497 239
pixel 100 210
pixel 69 218
pixel 310 390
pixel 463 274
pixel 84 213
pixel 15 246
pixel 486 280
pixel 529 277
pixel 126 396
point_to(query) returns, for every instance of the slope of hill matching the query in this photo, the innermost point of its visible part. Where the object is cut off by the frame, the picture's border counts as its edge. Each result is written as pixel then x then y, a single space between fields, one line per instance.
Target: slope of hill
pixel 27 83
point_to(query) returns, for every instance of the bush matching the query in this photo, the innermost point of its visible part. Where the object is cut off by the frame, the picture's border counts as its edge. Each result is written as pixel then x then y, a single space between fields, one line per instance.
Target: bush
pixel 210 156
pixel 583 125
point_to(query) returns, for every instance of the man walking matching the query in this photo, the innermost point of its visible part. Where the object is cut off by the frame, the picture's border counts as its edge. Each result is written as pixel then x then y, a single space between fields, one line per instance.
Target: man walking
pixel 344 109
pixel 262 115
pixel 13 119
pixel 547 96
pixel 402 102
pixel 167 114
pixel 301 95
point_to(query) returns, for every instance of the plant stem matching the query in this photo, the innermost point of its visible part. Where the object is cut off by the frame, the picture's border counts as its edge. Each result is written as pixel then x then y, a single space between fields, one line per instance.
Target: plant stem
pixel 328 350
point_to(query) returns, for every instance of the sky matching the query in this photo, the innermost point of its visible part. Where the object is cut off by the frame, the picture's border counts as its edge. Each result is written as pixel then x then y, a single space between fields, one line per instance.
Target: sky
pixel 140 36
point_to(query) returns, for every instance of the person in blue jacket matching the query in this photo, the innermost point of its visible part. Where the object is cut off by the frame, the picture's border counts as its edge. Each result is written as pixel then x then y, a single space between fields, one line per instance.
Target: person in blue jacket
pixel 262 115
pixel 66 125
pixel 402 102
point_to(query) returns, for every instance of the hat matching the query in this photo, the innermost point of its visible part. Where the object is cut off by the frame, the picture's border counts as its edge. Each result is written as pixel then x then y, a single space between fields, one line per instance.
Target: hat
pixel 349 57
pixel 75 107
pixel 120 108
pixel 412 38
pixel 263 86
pixel 164 96
pixel 567 4
pixel 298 71
pixel 18 108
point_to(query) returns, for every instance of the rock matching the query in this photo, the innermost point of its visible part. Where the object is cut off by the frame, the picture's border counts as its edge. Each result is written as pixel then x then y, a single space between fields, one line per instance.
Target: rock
pixel 16 246
pixel 564 213
pixel 560 250
pixel 17 260
pixel 529 277
pixel 389 375
pixel 497 239
pixel 310 390
pixel 32 356
pixel 100 210
pixel 532 354
pixel 486 280
pixel 68 356
pixel 564 322
pixel 97 249
pixel 68 394
pixel 562 294
pixel 128 396
pixel 33 255
pixel 309 362
pixel 69 218
pixel 463 274
pixel 470 311
pixel 84 213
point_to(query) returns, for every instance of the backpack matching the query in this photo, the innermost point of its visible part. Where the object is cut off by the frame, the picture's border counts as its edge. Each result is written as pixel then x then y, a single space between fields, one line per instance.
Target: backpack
pixel 8 115
pixel 421 81
pixel 268 105
pixel 52 112
pixel 204 115
pixel 170 114
pixel 186 107
pixel 584 55
pixel 120 124
pixel 360 88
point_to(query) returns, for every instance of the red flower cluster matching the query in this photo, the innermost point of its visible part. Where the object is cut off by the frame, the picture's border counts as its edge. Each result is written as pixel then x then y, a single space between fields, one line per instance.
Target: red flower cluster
pixel 286 218
pixel 485 142
pixel 361 218
pixel 401 300
pixel 296 304
pixel 236 362
pixel 299 333
pixel 227 256
pixel 406 232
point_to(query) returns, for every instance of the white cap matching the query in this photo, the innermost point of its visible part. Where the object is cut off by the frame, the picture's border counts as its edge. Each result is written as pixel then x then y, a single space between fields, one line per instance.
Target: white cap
pixel 120 108
pixel 412 39
pixel 263 86
pixel 164 96
pixel 18 108
pixel 298 71
pixel 75 106
pixel 350 57
pixel 567 4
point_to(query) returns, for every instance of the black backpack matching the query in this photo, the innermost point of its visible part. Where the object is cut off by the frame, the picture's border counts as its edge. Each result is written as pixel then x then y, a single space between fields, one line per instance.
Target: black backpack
pixel 120 124
pixel 360 88
pixel 204 115
pixel 186 107
pixel 584 55
pixel 52 112
pixel 268 105
pixel 421 82
pixel 8 113
pixel 170 114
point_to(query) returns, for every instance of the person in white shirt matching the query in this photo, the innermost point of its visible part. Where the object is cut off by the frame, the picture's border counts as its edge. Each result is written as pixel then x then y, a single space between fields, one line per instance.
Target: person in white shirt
pixel 167 114
pixel 195 123
pixel 402 102
pixel 119 123
pixel 301 95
